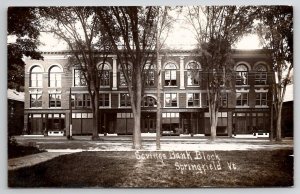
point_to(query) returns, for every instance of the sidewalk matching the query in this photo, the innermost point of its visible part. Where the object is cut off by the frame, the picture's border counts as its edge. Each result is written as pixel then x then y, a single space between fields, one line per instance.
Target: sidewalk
pixel 57 146
pixel 30 160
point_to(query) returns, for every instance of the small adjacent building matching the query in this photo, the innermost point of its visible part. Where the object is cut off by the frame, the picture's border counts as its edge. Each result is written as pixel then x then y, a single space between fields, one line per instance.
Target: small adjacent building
pixel 15 112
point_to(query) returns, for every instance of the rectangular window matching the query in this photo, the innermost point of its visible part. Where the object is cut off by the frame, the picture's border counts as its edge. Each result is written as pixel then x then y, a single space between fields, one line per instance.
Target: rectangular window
pixel 35 100
pixel 241 99
pixel 125 100
pixel 260 78
pixel 261 99
pixel 103 100
pixel 193 78
pixel 223 99
pixel 170 78
pixel 122 79
pixel 170 100
pixel 79 79
pixel 193 99
pixel 54 100
pixel 81 100
pixel 104 81
pixel 149 78
pixel 204 100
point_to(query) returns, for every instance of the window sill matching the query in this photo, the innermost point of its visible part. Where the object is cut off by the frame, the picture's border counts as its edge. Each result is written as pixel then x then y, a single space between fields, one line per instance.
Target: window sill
pixel 36 108
pixel 104 107
pixel 256 85
pixel 54 107
pixel 240 86
pixel 193 86
pixel 263 106
pixel 171 107
pixel 171 86
pixel 35 87
pixel 242 106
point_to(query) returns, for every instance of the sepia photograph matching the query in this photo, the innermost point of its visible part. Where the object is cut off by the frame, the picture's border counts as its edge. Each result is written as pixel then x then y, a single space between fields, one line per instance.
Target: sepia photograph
pixel 150 96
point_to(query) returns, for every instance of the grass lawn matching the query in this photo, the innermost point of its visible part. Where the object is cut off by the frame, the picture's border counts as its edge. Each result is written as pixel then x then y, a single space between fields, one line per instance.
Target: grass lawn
pixel 148 169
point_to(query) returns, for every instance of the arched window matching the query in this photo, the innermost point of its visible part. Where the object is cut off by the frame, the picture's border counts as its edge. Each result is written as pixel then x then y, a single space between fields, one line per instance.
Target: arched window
pixel 193 74
pixel 149 76
pixel 55 76
pixel 36 77
pixel 149 101
pixel 260 74
pixel 242 75
pixel 170 74
pixel 104 72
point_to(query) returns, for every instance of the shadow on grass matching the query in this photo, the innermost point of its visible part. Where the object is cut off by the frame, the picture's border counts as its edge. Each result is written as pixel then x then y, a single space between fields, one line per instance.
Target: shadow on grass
pixel 123 169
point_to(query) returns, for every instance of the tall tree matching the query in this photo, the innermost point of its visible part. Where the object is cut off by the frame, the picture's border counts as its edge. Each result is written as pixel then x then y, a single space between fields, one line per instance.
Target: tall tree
pixel 22 32
pixel 131 31
pixel 80 29
pixel 216 29
pixel 164 22
pixel 275 30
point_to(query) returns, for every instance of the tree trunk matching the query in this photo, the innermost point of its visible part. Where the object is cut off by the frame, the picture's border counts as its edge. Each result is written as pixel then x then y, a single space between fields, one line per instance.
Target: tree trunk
pixel 137 138
pixel 278 122
pixel 96 112
pixel 213 125
pixel 158 110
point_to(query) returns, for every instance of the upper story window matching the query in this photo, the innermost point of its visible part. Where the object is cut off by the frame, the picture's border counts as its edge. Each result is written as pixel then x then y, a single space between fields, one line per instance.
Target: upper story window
pixel 79 79
pixel 35 100
pixel 260 75
pixel 81 100
pixel 242 75
pixel 242 99
pixel 170 74
pixel 104 74
pixel 125 100
pixel 170 99
pixel 149 101
pixel 103 100
pixel 54 100
pixel 128 71
pixel 223 99
pixel 36 77
pixel 261 99
pixel 149 75
pixel 193 99
pixel 193 74
pixel 55 76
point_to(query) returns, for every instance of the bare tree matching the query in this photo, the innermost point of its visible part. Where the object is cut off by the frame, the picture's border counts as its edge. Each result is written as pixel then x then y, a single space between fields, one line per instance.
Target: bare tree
pixel 79 28
pixel 216 29
pixel 131 31
pixel 276 34
pixel 163 26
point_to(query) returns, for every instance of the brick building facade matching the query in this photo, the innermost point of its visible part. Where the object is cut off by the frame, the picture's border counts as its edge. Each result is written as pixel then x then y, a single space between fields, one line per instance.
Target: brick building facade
pixel 245 103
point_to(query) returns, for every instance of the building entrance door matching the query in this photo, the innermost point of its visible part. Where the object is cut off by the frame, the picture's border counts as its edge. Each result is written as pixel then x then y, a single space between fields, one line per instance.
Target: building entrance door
pixel 148 123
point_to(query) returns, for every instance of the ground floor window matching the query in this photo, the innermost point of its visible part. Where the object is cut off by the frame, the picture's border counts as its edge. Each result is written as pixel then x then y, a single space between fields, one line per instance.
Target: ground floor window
pixel 42 123
pixel 250 122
